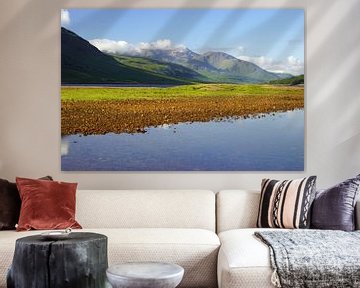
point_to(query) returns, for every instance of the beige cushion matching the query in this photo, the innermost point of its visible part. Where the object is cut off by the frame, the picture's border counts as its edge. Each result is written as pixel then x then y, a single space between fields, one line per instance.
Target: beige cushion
pixel 146 209
pixel 244 261
pixel 236 209
pixel 194 249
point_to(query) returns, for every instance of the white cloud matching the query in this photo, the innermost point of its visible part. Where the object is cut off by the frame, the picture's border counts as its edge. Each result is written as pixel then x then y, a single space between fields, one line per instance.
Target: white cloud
pixel 290 65
pixel 296 64
pixel 261 61
pixel 65 17
pixel 163 44
pixel 111 46
pixel 123 47
pixel 240 49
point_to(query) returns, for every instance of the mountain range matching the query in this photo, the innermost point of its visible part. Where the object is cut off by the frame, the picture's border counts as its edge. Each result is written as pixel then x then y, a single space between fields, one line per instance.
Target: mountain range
pixel 295 80
pixel 83 63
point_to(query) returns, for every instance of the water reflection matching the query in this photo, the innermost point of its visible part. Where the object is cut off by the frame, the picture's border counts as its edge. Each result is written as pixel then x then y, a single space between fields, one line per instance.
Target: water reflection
pixel 274 142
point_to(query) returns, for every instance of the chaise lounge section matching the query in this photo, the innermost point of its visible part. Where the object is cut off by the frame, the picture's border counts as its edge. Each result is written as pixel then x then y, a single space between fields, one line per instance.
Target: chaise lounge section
pixel 244 260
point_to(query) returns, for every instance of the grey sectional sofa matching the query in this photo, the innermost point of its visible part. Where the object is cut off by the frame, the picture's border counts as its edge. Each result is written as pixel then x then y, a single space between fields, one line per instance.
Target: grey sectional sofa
pixel 210 235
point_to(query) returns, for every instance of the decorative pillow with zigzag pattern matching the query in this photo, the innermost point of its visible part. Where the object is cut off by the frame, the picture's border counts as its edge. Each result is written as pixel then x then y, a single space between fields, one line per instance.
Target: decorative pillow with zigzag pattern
pixel 286 204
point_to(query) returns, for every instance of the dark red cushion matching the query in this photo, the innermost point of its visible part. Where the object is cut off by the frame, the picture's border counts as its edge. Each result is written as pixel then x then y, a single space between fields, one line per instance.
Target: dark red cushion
pixel 46 204
pixel 10 204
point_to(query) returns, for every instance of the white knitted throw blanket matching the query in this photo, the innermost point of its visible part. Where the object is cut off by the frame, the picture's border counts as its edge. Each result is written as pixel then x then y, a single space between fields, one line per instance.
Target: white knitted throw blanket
pixel 313 258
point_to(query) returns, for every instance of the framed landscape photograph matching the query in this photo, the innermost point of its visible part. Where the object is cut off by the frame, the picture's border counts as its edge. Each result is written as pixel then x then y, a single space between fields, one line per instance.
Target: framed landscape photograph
pixel 182 89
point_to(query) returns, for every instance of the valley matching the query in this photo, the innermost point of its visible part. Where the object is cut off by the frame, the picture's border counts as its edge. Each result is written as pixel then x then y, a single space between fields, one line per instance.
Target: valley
pixel 104 92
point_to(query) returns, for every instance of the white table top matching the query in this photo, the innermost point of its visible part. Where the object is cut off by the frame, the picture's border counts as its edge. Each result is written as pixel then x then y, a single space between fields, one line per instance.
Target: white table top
pixel 146 270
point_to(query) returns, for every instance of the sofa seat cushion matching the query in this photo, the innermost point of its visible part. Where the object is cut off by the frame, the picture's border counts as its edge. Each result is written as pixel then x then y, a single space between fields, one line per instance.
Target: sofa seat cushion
pixel 244 261
pixel 194 249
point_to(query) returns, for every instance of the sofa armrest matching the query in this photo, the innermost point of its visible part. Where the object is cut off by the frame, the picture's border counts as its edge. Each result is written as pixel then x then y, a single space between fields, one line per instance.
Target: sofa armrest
pixel 357 215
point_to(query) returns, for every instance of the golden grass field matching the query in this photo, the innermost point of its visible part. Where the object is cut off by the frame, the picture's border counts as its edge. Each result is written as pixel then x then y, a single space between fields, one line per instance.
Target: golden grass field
pixel 131 109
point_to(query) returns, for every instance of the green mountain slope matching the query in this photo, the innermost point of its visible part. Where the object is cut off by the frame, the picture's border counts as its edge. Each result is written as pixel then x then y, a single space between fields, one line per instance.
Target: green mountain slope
pixel 296 80
pixel 82 63
pixel 167 69
pixel 214 66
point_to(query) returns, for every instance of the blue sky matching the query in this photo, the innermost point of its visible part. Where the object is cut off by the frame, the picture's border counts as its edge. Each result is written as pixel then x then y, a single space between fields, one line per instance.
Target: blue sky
pixel 271 38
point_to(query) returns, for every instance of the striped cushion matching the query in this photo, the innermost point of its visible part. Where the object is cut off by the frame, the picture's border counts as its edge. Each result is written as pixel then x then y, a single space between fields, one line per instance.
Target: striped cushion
pixel 286 204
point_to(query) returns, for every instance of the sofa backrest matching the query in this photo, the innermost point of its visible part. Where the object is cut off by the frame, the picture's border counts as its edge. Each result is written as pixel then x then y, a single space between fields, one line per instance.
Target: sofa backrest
pixel 146 209
pixel 239 209
pixel 236 209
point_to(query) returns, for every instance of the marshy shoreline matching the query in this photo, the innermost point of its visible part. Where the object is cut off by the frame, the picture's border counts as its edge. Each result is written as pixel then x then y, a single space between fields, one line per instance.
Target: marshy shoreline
pixel 131 110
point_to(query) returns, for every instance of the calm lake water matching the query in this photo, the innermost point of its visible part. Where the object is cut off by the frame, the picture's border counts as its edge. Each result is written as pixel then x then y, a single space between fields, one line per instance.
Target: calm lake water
pixel 271 143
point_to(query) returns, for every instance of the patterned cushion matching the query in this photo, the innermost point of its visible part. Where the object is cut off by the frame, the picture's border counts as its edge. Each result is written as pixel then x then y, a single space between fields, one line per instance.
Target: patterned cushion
pixel 286 204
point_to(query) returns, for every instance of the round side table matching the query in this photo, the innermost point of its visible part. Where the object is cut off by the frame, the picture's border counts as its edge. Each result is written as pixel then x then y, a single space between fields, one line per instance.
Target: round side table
pixel 78 261
pixel 145 275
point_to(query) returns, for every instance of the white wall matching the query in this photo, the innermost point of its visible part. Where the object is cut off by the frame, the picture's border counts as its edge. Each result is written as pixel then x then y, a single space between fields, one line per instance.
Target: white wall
pixel 30 95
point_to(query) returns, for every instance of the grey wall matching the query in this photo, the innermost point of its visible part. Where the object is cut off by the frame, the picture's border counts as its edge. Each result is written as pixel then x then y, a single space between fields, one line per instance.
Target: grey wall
pixel 30 95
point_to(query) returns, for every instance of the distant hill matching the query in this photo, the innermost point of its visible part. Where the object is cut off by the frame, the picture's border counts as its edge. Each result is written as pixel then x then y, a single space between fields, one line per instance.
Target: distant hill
pixel 283 75
pixel 172 70
pixel 181 56
pixel 214 66
pixel 295 80
pixel 234 67
pixel 83 63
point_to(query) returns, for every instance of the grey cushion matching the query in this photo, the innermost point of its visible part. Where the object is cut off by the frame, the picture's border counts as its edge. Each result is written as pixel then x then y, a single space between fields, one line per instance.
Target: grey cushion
pixel 334 208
